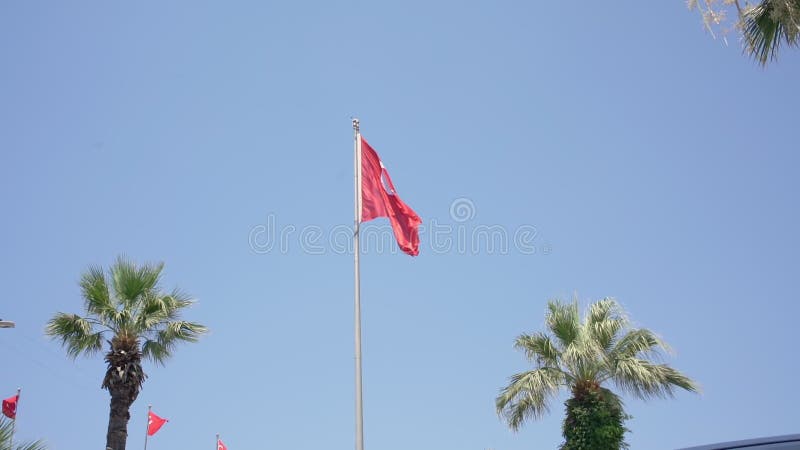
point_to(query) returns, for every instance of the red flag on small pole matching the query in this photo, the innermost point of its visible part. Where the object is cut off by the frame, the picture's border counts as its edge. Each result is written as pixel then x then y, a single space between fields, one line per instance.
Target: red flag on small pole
pixel 10 410
pixel 10 406
pixel 154 423
pixel 220 445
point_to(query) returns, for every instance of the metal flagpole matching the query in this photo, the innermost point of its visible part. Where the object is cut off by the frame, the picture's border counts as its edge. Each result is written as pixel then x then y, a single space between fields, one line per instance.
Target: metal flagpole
pixel 359 402
pixel 216 444
pixel 14 420
pixel 147 426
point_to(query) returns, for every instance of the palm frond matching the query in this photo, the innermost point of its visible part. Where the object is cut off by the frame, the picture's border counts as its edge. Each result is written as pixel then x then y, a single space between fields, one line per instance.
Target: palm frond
pixel 175 302
pixel 159 309
pixel 182 330
pixel 5 432
pixel 762 34
pixel 645 380
pixel 76 333
pixel 97 298
pixel 132 282
pixel 528 394
pixel 160 348
pixel 180 299
pixel 156 351
pixel 121 321
pixel 675 378
pixel 563 321
pixel 525 408
pixel 769 24
pixel 154 310
pixel 584 358
pixel 604 320
pixel 639 342
pixel 539 348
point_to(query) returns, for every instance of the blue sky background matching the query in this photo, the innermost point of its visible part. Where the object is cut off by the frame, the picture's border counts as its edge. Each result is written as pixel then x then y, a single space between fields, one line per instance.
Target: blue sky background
pixel 657 166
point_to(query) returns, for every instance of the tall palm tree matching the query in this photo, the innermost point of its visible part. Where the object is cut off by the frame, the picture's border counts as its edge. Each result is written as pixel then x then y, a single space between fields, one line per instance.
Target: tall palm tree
pixel 6 432
pixel 583 357
pixel 769 24
pixel 128 310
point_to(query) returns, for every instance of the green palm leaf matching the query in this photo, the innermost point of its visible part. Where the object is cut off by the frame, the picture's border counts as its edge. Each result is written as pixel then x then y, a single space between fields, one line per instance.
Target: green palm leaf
pixel 528 395
pixel 131 282
pixel 604 321
pixel 539 348
pixel 646 380
pixel 77 334
pixel 563 321
pixel 768 25
pixel 97 298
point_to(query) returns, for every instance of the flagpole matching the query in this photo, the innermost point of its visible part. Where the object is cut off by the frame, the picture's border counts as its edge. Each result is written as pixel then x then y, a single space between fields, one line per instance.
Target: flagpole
pixel 147 426
pixel 14 420
pixel 359 401
pixel 216 444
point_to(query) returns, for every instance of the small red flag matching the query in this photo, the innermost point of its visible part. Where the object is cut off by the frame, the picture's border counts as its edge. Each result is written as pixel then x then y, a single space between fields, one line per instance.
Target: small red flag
pixel 10 407
pixel 220 445
pixel 379 199
pixel 154 423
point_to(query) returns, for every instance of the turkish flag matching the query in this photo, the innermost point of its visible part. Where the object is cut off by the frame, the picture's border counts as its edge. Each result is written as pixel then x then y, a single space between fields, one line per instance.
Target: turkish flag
pixel 379 199
pixel 220 445
pixel 154 423
pixel 10 407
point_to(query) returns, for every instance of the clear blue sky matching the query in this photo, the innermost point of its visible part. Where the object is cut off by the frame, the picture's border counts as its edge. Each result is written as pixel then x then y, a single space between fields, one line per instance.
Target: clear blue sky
pixel 656 165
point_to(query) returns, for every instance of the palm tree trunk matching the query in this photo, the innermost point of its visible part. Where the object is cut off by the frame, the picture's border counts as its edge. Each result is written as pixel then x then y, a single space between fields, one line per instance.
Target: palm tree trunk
pixel 594 420
pixel 118 418
pixel 123 380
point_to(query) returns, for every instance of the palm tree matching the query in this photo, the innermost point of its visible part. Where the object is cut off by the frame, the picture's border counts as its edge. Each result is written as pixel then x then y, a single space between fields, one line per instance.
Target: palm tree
pixel 6 432
pixel 583 357
pixel 769 24
pixel 128 310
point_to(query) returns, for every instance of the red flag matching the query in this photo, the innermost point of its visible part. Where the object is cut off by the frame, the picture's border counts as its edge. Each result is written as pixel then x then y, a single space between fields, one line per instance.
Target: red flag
pixel 154 423
pixel 220 445
pixel 10 407
pixel 379 199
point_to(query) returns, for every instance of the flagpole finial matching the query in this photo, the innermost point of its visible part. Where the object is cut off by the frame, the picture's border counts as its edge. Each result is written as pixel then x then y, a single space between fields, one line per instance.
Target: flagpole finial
pixel 356 123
